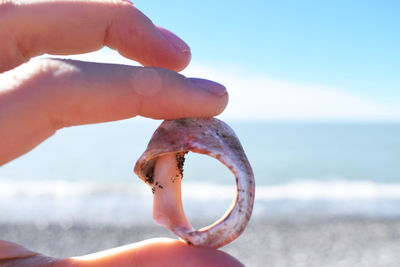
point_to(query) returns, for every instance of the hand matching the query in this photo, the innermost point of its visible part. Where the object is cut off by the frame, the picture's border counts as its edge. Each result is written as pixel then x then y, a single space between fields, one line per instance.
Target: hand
pixel 41 96
pixel 38 97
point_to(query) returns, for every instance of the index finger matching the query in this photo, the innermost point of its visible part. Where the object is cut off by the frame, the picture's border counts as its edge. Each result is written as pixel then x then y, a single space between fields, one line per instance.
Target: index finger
pixel 29 29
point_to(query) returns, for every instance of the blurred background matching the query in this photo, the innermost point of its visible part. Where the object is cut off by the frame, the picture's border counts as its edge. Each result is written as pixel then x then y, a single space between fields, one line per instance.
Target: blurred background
pixel 315 99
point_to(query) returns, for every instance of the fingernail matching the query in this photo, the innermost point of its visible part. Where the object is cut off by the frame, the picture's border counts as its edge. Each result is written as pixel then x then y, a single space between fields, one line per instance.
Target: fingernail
pixel 209 86
pixel 127 1
pixel 174 40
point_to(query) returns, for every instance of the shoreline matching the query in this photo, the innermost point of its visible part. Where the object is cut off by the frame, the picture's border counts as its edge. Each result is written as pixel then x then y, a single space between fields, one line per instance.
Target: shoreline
pixel 310 241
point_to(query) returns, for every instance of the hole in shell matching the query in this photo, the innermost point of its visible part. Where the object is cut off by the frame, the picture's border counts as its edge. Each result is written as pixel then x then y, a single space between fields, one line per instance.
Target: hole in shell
pixel 208 189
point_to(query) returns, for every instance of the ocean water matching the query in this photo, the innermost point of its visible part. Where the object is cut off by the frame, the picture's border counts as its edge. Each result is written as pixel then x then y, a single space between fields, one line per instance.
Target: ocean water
pixel 301 169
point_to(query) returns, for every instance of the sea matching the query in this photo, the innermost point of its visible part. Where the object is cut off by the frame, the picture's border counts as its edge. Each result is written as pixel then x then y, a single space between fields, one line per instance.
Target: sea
pixel 85 174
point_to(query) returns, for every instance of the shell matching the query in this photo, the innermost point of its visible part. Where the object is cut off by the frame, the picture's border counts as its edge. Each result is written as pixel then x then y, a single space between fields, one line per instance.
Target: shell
pixel 215 138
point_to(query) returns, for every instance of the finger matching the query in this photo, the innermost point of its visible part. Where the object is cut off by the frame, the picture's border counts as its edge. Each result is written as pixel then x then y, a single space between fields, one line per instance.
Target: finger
pixel 9 250
pixel 47 95
pixel 153 252
pixel 32 261
pixel 12 254
pixel 28 29
pixel 156 252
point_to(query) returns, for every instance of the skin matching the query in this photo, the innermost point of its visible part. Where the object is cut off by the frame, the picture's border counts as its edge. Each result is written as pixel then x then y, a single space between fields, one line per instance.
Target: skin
pixel 40 97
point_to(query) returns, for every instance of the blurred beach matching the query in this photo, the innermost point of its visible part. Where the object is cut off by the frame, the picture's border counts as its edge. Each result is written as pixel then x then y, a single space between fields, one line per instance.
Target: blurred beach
pixel 339 241
pixel 327 194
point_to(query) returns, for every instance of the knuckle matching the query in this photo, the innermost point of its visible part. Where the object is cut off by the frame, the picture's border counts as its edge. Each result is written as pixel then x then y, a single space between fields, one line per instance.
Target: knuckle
pixel 169 80
pixel 146 81
pixel 168 75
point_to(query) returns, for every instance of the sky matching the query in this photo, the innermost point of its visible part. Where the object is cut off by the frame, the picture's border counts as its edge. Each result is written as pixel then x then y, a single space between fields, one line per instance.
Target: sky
pixel 290 60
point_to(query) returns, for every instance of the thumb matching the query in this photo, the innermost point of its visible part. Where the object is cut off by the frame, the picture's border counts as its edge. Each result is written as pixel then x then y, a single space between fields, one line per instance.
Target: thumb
pixel 157 252
pixel 152 252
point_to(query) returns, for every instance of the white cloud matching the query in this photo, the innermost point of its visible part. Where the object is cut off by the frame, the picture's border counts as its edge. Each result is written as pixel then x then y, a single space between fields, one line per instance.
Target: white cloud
pixel 256 96
pixel 259 97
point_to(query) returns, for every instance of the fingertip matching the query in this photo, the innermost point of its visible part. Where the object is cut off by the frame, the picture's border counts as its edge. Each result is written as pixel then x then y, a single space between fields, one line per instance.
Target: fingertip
pixel 217 93
pixel 182 62
pixel 177 42
pixel 180 46
pixel 135 36
pixel 177 96
pixel 212 87
pixel 224 103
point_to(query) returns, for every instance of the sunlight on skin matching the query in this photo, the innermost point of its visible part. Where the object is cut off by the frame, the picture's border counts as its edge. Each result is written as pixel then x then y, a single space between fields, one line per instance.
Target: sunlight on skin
pixel 109 252
pixel 162 251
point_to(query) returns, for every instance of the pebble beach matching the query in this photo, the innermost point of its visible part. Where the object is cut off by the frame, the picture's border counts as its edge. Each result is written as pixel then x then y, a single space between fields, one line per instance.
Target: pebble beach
pixel 335 242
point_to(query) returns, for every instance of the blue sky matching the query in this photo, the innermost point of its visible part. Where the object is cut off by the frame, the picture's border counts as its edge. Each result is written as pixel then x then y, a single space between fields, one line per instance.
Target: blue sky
pixel 351 44
pixel 305 55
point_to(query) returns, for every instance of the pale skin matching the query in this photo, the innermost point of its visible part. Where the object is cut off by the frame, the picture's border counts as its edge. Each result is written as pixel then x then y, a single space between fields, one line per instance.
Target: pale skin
pixel 40 97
